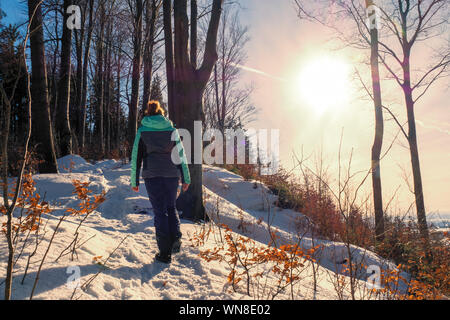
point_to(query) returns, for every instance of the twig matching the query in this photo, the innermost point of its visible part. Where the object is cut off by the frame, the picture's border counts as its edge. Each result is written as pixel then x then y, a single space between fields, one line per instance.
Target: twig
pixel 45 255
pixel 86 285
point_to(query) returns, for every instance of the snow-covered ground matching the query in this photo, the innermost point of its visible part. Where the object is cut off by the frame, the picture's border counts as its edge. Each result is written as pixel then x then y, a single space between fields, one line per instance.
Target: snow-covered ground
pixel 122 229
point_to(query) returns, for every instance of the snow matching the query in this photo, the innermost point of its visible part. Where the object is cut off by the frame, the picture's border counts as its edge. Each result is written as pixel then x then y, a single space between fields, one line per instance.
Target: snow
pixel 131 272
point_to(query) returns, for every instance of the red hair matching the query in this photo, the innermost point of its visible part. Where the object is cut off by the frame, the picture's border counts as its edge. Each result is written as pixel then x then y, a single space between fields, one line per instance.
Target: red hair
pixel 154 108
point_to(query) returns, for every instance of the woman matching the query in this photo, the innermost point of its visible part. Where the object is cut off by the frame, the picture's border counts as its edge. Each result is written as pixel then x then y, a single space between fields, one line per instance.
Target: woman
pixel 155 140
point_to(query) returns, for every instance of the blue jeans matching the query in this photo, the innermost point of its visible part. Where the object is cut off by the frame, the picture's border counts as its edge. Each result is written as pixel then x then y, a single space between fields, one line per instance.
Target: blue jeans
pixel 162 193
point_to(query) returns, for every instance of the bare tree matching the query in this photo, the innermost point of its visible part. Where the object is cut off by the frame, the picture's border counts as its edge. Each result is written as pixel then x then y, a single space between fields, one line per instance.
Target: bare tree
pixel 100 78
pixel 404 25
pixel 227 103
pixel 151 15
pixel 379 128
pixel 6 101
pixel 83 40
pixel 137 9
pixel 62 118
pixel 42 129
pixel 188 80
pixel 108 86
pixel 169 55
pixel 10 206
pixel 83 73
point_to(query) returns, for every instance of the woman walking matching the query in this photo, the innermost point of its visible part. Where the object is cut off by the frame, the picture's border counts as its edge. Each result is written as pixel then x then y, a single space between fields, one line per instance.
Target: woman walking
pixel 155 140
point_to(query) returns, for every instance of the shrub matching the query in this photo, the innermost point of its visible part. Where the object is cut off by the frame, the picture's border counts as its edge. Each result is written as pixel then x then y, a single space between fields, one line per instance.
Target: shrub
pixel 245 258
pixel 34 216
pixel 327 220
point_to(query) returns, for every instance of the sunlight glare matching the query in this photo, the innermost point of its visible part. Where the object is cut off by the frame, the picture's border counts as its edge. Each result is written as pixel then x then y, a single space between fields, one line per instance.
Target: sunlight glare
pixel 324 84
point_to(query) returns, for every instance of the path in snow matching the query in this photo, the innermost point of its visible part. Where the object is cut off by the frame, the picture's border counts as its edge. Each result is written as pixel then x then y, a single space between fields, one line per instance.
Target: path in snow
pixel 132 272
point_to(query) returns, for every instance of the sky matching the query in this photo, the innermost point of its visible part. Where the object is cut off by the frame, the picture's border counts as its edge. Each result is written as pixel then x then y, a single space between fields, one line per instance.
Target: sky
pixel 282 47
pixel 15 11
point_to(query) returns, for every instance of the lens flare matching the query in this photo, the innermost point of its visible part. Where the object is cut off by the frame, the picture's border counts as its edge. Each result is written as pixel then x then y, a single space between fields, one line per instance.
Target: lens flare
pixel 324 84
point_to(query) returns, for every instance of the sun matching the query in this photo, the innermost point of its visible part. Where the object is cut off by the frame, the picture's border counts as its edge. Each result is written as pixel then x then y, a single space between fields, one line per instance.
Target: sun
pixel 324 84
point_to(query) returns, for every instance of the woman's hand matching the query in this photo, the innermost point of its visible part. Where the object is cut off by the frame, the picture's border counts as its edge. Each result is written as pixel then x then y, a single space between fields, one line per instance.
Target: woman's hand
pixel 185 187
pixel 135 189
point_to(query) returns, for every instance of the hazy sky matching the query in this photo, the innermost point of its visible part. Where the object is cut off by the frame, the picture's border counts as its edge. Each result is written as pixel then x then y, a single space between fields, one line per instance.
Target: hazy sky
pixel 282 46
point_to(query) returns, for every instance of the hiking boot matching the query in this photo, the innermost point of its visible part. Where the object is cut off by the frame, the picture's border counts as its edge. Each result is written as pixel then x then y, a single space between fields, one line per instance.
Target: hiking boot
pixel 176 246
pixel 164 258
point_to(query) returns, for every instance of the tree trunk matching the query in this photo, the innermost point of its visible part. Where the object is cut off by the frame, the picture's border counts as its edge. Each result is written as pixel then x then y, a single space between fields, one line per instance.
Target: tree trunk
pixel 194 17
pixel 78 108
pixel 62 118
pixel 53 80
pixel 108 80
pixel 136 75
pixel 415 163
pixel 168 47
pixel 11 250
pixel 216 91
pixel 378 140
pixel 189 103
pixel 77 112
pixel 100 78
pixel 150 18
pixel 100 101
pixel 223 78
pixel 4 162
pixel 414 150
pixel 189 84
pixel 118 108
pixel 42 128
pixel 87 50
pixel 99 130
pixel 412 135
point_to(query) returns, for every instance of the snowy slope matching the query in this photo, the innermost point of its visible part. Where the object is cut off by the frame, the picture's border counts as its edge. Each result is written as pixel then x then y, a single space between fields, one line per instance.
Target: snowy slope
pixel 232 194
pixel 131 272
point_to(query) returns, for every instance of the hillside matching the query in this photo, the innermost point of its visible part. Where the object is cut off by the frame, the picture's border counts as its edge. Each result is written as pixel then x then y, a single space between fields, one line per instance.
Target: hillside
pixel 126 270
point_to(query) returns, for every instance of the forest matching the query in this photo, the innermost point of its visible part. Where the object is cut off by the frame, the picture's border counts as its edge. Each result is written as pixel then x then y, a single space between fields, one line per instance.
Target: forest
pixel 98 74
pixel 77 76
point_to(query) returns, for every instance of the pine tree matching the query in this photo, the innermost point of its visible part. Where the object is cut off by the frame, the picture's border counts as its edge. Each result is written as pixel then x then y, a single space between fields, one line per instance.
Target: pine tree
pixel 156 91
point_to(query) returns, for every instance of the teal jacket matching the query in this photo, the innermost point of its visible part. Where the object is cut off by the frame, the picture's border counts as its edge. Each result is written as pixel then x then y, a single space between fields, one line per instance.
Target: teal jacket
pixel 155 141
